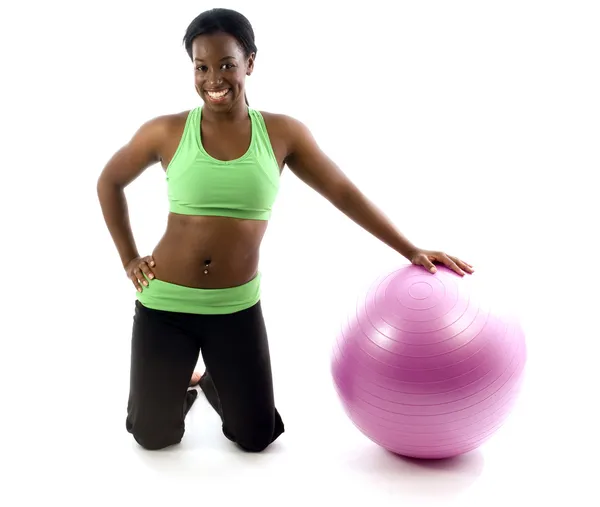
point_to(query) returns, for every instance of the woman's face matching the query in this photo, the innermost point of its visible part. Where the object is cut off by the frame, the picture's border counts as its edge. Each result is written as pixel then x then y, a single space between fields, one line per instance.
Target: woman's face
pixel 220 70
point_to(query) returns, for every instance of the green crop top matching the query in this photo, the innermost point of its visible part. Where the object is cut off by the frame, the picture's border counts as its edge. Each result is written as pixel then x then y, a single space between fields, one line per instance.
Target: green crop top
pixel 199 184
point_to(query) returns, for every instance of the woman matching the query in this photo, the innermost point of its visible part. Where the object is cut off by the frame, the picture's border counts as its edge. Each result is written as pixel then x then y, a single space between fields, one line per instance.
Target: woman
pixel 199 291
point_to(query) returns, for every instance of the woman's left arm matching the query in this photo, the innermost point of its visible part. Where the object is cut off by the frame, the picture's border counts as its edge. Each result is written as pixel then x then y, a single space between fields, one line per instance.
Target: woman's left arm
pixel 311 165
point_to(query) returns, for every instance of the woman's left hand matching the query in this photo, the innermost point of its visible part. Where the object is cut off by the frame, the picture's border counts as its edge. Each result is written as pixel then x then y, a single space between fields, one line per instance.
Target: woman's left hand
pixel 426 258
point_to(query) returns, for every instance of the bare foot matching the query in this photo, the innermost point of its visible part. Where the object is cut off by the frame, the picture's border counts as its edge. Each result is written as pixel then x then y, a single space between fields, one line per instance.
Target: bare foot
pixel 195 379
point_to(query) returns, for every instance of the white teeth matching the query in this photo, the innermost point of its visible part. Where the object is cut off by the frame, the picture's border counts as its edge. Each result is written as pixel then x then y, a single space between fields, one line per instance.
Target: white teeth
pixel 217 95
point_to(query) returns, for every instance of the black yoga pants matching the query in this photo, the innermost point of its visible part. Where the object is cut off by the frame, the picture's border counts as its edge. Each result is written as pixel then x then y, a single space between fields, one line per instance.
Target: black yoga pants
pixel 238 384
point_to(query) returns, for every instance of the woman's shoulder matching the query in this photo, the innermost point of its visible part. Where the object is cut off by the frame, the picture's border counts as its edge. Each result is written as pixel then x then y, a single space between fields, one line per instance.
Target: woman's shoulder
pixel 280 119
pixel 162 128
pixel 166 122
pixel 284 125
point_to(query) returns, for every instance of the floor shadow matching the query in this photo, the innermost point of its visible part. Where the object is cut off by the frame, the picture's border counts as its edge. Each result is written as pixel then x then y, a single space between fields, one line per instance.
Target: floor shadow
pixel 442 478
pixel 204 452
pixel 185 463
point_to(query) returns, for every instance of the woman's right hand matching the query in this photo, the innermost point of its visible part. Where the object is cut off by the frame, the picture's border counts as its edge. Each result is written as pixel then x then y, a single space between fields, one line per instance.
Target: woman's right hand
pixel 137 268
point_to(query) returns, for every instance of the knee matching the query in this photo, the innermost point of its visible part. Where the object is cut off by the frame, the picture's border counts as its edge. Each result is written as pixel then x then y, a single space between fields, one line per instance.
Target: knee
pixel 154 438
pixel 253 444
pixel 255 438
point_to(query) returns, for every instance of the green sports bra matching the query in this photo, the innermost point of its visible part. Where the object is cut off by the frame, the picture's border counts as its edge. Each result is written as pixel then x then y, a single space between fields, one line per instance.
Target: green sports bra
pixel 199 184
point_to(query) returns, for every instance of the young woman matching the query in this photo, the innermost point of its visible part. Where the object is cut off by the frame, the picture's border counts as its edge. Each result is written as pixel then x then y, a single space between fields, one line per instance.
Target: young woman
pixel 199 291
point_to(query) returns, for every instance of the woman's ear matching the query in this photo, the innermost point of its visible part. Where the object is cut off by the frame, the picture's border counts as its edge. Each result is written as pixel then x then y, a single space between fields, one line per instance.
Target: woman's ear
pixel 250 65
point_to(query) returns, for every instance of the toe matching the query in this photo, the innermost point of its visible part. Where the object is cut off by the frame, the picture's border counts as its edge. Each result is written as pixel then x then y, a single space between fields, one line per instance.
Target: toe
pixel 195 379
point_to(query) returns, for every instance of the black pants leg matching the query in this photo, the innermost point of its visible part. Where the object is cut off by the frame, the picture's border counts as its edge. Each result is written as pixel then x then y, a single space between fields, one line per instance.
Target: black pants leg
pixel 164 351
pixel 238 381
pixel 238 384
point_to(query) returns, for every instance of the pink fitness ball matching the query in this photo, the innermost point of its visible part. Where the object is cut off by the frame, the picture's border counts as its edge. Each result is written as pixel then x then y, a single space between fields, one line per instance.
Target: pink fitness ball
pixel 425 367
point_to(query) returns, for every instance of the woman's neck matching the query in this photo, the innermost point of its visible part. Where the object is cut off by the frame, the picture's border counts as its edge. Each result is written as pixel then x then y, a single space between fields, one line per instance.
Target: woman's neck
pixel 238 112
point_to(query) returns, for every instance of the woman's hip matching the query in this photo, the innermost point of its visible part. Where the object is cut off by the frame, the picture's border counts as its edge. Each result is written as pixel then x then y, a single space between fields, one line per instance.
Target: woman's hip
pixel 167 296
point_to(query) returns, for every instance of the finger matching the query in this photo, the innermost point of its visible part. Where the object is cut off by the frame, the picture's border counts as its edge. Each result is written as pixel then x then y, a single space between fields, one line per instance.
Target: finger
pixel 136 283
pixel 150 261
pixel 146 270
pixel 467 267
pixel 140 276
pixel 427 264
pixel 462 264
pixel 452 265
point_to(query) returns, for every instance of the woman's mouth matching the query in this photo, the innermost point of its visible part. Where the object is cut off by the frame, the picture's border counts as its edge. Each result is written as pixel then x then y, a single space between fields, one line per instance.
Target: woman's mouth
pixel 218 96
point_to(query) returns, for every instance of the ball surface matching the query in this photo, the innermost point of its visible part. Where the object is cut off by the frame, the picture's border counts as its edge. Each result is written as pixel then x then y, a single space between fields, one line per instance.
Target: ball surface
pixel 425 366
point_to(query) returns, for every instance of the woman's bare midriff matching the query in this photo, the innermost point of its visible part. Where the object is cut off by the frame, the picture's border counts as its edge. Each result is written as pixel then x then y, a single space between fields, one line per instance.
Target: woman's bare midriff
pixel 227 248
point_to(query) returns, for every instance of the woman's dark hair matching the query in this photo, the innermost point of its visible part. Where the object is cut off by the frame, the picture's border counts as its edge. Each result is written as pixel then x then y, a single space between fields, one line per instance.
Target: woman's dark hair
pixel 222 21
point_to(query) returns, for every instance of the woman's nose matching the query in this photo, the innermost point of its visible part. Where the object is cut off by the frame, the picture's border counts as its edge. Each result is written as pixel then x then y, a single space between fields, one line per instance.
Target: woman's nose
pixel 214 77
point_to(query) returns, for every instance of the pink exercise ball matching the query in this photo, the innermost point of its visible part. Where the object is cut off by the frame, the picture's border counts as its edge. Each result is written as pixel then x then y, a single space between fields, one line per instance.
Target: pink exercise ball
pixel 426 367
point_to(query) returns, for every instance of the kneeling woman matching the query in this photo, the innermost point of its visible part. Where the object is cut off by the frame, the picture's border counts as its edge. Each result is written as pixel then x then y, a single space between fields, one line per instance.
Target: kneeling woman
pixel 199 291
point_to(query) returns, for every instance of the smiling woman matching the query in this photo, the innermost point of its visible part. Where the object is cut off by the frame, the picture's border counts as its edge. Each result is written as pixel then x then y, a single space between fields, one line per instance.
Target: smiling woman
pixel 199 291
pixel 221 62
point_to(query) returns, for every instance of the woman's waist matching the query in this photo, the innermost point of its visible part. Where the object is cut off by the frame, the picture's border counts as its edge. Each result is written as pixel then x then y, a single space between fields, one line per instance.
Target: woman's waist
pixel 203 267
pixel 208 252
pixel 174 297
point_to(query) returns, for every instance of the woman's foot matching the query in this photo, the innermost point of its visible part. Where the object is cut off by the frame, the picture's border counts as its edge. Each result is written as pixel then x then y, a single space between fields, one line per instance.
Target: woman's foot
pixel 195 380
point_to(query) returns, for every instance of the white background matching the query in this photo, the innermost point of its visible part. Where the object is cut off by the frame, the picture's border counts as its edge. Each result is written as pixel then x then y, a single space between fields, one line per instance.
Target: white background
pixel 473 125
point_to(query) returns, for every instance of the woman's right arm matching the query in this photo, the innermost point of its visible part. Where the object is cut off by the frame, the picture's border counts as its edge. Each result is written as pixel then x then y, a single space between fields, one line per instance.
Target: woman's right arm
pixel 142 151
